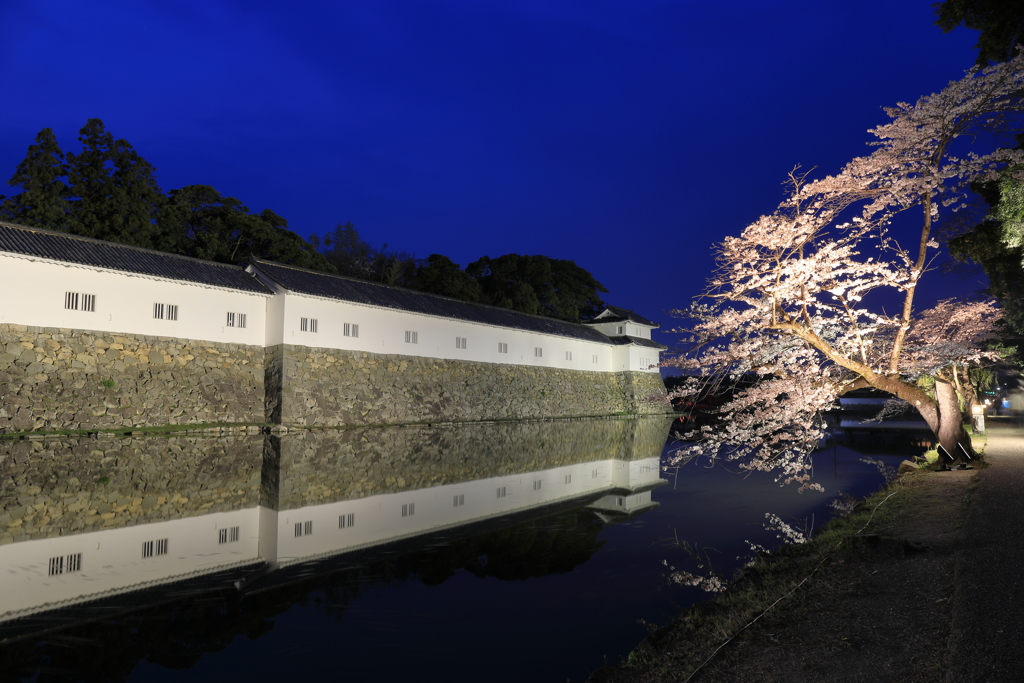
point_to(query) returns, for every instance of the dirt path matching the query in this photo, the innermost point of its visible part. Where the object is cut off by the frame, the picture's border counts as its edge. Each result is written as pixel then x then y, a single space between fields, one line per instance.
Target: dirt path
pixel 988 608
pixel 936 597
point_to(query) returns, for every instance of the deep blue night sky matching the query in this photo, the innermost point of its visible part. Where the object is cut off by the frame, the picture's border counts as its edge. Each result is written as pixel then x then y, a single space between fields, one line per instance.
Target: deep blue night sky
pixel 627 136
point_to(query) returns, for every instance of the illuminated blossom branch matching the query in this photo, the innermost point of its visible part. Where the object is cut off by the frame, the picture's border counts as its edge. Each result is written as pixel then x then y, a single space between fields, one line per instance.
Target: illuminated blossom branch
pixel 786 303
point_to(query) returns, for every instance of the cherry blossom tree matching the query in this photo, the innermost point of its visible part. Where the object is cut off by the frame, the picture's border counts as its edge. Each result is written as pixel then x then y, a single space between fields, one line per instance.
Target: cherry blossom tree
pixel 796 299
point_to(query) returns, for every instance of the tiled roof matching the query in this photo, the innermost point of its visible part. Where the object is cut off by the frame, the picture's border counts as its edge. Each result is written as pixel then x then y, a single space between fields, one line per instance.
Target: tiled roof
pixel 313 283
pixel 636 341
pixel 618 315
pixel 61 246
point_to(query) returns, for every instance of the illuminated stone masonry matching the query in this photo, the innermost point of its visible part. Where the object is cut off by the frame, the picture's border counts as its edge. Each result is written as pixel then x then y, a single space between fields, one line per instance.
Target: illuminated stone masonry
pixel 60 379
pixel 329 387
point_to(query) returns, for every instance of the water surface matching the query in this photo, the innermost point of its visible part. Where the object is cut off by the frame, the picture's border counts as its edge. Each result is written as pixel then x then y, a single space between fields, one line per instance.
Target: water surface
pixel 508 552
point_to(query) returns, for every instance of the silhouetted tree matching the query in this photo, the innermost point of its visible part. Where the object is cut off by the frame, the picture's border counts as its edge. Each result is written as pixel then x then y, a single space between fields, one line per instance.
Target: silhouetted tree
pixel 43 201
pixel 1001 23
pixel 440 275
pixel 203 224
pixel 539 285
pixel 114 192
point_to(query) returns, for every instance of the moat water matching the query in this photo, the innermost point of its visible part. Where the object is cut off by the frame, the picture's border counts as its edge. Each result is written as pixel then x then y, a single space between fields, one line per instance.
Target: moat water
pixel 510 552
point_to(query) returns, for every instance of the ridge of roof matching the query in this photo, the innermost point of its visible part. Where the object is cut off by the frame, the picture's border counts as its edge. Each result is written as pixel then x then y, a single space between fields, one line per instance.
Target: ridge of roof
pixel 620 315
pixel 53 245
pixel 624 339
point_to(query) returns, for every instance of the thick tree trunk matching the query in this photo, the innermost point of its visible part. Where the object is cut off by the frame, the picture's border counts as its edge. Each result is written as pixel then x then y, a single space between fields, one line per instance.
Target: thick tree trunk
pixel 942 413
pixel 950 431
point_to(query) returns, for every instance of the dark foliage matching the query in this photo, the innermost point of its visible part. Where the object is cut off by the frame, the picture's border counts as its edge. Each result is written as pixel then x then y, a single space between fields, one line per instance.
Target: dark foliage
pixel 538 284
pixel 1001 23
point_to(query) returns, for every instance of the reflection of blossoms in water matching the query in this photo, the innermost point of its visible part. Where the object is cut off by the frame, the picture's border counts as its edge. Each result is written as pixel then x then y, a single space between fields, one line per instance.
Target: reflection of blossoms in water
pixel 788 534
pixel 709 584
pixel 844 504
pixel 886 471
pixel 708 580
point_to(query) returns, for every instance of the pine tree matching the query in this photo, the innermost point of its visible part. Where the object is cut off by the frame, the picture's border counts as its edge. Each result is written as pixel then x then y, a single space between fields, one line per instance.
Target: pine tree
pixel 43 201
pixel 114 192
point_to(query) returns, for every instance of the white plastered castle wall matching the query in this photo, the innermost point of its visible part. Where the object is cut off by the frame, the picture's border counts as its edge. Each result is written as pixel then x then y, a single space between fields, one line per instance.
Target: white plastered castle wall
pixel 383 330
pixel 621 328
pixel 34 294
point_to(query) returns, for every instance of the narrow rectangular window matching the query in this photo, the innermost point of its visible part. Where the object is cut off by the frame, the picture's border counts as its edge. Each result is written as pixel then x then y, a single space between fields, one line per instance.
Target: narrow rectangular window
pixel 460 342
pixel 307 527
pixel 314 325
pixel 620 500
pixel 298 529
pixel 74 301
pixel 241 320
pixel 568 355
pixel 56 565
pixel 236 320
pixel 502 347
pixel 231 320
pixel 459 500
pixel 593 358
pixel 536 484
pixel 303 324
pixel 538 351
pixel 158 311
pixel 593 474
pixel 622 329
pixel 161 546
pixel 408 509
pixel 172 311
pixel 412 337
pixel 227 535
pixel 147 549
pixel 346 521
pixel 568 479
pixel 501 492
pixel 75 563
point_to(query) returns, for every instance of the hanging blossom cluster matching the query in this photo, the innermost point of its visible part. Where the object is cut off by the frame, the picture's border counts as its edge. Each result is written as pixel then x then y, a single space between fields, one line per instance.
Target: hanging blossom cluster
pixel 784 327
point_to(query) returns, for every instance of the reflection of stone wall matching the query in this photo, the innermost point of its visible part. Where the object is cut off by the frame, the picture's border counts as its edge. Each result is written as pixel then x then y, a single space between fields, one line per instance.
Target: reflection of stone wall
pixel 58 487
pixel 326 466
pixel 54 379
pixel 329 387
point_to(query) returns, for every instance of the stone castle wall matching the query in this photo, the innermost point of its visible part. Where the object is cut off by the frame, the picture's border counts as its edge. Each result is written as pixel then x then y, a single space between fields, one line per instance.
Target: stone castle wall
pixel 54 379
pixel 331 387
pixel 62 379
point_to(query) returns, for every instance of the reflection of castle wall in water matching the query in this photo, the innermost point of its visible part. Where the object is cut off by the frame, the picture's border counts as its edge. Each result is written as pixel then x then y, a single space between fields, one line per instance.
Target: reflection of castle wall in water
pixel 323 466
pixel 406 482
pixel 65 486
